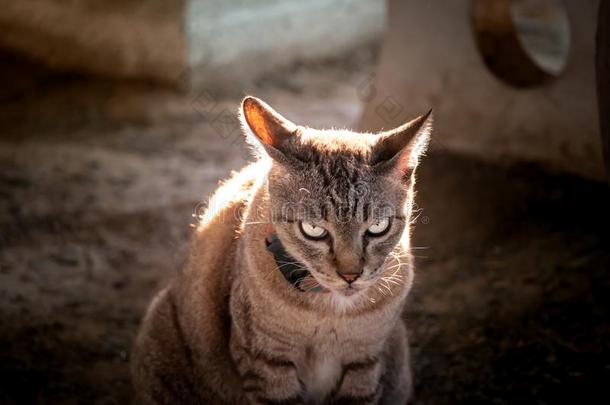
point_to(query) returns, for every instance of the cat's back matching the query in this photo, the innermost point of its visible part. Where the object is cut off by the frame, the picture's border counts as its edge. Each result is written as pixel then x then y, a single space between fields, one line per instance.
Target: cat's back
pixel 214 240
pixel 190 314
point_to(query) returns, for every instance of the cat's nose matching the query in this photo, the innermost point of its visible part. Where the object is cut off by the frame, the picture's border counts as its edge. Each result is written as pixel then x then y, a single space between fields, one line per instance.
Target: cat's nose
pixel 349 277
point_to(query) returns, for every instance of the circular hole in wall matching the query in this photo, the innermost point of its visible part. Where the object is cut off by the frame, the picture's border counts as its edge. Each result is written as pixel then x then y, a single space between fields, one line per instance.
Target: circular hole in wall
pixel 523 42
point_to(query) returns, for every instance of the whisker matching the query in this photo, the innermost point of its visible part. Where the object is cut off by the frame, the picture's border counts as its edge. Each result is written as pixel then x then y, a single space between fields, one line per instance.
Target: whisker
pixel 386 287
pixel 388 280
pixel 287 264
pixel 396 276
pixel 314 283
pixel 299 280
pixel 295 270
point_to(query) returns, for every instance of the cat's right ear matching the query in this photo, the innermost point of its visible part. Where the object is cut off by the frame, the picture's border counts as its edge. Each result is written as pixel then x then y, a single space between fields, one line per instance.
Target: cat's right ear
pixel 266 125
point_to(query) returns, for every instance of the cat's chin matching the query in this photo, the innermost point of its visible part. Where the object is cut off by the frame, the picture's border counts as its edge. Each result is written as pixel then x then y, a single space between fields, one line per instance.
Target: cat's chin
pixel 349 291
pixel 346 299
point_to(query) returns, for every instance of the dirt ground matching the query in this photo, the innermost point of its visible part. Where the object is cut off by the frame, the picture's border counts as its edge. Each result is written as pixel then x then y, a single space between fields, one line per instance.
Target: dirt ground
pixel 99 181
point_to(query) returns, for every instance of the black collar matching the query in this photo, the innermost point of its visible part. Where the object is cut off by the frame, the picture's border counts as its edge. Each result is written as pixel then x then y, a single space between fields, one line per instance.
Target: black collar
pixel 293 271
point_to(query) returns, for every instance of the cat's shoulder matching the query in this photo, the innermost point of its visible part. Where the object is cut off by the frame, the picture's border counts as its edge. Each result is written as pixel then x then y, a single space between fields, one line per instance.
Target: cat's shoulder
pixel 225 206
pixel 218 226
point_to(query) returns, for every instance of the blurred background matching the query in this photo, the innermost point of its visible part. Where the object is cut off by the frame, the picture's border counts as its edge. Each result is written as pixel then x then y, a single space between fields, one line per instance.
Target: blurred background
pixel 118 117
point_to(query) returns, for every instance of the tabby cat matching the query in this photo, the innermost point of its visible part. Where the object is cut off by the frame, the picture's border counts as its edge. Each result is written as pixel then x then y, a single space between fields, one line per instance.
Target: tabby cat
pixel 295 280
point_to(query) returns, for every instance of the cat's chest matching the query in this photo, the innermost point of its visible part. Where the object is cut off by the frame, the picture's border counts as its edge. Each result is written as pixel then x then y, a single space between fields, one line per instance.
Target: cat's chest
pixel 321 363
pixel 324 357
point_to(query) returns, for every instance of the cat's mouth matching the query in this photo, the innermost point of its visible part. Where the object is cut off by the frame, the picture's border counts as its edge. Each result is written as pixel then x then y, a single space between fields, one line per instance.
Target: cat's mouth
pixel 341 288
pixel 350 290
pixel 346 290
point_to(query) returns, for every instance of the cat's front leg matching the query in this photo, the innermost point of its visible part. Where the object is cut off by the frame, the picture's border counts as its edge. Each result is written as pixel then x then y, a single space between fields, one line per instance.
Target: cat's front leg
pixel 383 380
pixel 397 379
pixel 269 379
pixel 360 382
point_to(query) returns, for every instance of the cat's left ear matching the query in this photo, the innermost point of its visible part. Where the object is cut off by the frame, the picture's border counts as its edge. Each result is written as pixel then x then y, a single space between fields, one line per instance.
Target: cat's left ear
pixel 401 148
pixel 268 126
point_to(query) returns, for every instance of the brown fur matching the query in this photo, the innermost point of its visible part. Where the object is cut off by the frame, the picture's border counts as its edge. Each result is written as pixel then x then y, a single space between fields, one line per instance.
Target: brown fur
pixel 230 329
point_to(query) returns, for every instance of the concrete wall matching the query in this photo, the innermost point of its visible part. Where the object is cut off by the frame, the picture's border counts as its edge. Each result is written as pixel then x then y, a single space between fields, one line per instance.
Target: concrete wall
pixel 236 39
pixel 141 39
pixel 217 41
pixel 430 59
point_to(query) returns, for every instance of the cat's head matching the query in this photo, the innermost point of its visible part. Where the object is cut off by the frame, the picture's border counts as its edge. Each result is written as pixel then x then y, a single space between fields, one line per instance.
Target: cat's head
pixel 340 201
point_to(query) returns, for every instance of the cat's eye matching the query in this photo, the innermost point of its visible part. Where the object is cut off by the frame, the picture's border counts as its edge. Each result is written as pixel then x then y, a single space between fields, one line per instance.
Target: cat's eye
pixel 379 228
pixel 312 231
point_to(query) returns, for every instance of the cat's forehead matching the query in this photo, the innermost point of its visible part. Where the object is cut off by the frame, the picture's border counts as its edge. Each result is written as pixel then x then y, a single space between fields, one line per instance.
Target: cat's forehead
pixel 333 161
pixel 336 140
pixel 337 187
pixel 332 175
pixel 338 199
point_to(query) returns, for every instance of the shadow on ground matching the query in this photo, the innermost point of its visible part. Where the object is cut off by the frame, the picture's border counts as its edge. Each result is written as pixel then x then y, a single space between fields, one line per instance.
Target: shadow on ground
pixel 510 303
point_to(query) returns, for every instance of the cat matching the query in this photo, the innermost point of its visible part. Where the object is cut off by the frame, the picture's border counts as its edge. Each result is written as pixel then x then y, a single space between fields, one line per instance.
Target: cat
pixel 296 276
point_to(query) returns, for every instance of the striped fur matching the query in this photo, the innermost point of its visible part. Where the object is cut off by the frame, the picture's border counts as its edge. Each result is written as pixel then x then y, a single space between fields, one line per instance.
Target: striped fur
pixel 230 329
